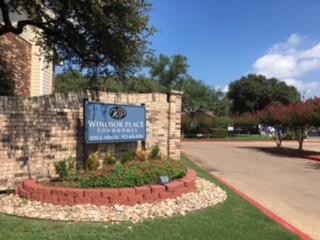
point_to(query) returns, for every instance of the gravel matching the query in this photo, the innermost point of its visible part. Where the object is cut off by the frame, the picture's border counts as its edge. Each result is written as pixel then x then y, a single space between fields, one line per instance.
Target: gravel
pixel 206 195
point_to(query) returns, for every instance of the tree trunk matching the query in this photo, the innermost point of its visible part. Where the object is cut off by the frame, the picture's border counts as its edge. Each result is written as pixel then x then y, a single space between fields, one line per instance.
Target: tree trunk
pixel 278 137
pixel 301 138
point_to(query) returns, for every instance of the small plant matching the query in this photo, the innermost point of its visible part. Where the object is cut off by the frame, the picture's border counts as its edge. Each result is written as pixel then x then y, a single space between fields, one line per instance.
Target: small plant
pixel 94 161
pixel 109 158
pixel 128 156
pixel 66 168
pixel 142 155
pixel 155 153
pixel 61 169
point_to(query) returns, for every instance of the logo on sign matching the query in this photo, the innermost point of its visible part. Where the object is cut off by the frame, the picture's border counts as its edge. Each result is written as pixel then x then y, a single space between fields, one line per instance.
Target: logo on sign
pixel 117 113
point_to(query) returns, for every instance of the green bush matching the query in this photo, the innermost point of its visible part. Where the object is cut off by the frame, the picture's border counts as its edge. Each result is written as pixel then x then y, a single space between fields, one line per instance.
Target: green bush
pixel 66 168
pixel 222 122
pixel 291 135
pixel 219 133
pixel 201 124
pixel 136 174
pixel 61 169
pixel 128 156
pixel 155 153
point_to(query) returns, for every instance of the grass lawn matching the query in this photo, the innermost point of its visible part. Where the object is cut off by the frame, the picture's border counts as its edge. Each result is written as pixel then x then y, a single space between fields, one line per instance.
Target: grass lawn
pixel 240 137
pixel 234 219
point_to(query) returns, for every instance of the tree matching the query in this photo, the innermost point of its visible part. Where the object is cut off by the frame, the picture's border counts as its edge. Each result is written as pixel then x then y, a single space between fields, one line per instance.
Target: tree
pixel 298 117
pixel 254 92
pixel 277 117
pixel 105 36
pixel 167 70
pixel 142 84
pixel 302 117
pixel 202 106
pixel 196 96
pixel 74 81
pixel 71 81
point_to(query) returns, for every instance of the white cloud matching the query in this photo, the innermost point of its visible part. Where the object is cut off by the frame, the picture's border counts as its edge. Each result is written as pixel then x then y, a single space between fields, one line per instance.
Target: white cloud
pixel 225 89
pixel 291 61
pixel 303 86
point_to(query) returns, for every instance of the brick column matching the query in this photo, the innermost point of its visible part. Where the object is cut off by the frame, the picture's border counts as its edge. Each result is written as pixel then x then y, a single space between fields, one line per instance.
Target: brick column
pixel 174 128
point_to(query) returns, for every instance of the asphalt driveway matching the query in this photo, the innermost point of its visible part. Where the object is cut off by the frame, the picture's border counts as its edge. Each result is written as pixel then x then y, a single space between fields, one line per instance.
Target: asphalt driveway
pixel 290 187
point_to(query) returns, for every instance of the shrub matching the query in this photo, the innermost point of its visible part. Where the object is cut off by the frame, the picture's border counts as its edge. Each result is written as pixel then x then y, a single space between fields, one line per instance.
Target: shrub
pixel 128 156
pixel 66 168
pixel 222 122
pixel 155 153
pixel 291 135
pixel 61 169
pixel 94 161
pixel 142 155
pixel 219 133
pixel 109 158
pixel 136 174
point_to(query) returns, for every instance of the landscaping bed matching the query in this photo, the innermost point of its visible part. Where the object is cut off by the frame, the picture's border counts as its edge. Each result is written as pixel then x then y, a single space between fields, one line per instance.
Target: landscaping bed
pixel 136 178
pixel 32 190
pixel 104 170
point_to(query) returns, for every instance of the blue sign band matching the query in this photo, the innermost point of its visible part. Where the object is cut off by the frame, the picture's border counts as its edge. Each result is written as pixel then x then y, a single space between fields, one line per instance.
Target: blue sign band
pixel 114 123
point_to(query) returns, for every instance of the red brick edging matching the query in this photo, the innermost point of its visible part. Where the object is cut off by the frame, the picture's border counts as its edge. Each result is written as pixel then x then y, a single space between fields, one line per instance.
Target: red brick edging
pixel 32 190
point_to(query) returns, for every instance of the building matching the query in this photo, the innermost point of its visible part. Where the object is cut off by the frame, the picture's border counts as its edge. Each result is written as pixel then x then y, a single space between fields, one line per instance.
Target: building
pixel 22 62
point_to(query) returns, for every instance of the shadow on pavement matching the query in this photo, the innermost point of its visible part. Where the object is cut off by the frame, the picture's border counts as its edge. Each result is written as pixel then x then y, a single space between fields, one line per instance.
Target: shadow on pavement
pixel 285 152
pixel 313 165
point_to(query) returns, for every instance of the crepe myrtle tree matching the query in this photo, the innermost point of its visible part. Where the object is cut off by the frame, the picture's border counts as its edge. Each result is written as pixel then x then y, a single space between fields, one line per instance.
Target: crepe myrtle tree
pixel 276 116
pixel 298 117
pixel 102 36
pixel 303 116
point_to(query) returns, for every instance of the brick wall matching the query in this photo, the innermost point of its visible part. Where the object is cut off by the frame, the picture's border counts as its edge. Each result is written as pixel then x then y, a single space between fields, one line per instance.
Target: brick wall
pixel 15 62
pixel 35 132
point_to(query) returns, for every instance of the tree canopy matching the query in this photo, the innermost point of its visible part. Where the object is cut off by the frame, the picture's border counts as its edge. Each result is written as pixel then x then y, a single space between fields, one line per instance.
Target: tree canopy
pixel 167 70
pixel 104 36
pixel 297 117
pixel 198 96
pixel 165 73
pixel 74 81
pixel 254 92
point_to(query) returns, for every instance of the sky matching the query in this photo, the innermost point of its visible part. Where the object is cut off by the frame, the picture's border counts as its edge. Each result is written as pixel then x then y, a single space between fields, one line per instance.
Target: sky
pixel 227 39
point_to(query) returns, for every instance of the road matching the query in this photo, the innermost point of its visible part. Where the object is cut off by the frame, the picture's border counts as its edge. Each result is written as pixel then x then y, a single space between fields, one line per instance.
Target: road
pixel 290 187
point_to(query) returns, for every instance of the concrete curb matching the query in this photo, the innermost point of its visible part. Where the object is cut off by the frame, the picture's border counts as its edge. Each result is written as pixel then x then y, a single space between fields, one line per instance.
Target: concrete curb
pixel 317 159
pixel 266 211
